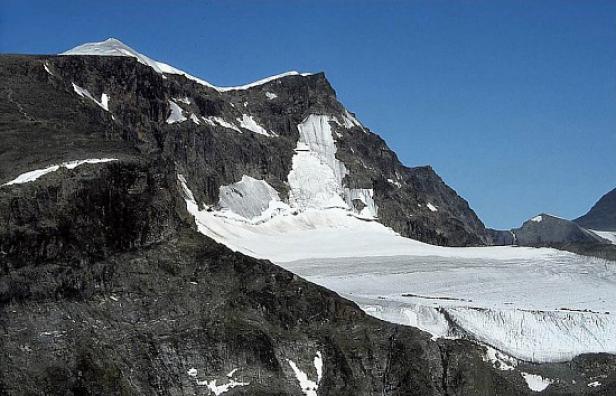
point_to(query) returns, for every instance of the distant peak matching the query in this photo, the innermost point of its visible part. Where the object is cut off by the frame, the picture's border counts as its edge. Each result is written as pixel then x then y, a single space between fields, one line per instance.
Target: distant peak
pixel 115 47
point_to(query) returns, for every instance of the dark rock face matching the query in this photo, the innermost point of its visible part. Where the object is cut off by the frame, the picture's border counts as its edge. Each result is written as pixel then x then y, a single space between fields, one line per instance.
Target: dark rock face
pixel 107 288
pixel 501 237
pixel 211 155
pixel 546 230
pixel 602 216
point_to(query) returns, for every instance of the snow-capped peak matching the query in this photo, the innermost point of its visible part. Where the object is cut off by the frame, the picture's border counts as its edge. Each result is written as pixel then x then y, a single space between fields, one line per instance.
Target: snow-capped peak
pixel 114 47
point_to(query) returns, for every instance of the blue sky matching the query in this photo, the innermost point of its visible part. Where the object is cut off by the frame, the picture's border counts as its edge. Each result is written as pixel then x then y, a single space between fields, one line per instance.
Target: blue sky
pixel 512 102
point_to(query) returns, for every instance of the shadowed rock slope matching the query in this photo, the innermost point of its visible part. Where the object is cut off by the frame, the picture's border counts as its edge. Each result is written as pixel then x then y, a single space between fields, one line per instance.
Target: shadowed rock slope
pixel 602 216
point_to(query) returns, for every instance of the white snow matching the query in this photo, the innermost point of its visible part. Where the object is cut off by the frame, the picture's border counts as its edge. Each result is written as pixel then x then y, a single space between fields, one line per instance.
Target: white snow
pixel 251 199
pixel 394 182
pixel 608 235
pixel 365 195
pixel 195 119
pixel 213 120
pixel 192 372
pixel 530 307
pixel 537 219
pixel 594 384
pixel 114 47
pixel 315 180
pixel 47 69
pixel 35 174
pixel 432 207
pixel 536 382
pixel 247 122
pixel 318 365
pixel 103 103
pixel 231 373
pixel 271 95
pixel 499 360
pixel 308 386
pixel 222 388
pixel 176 114
pixel 185 100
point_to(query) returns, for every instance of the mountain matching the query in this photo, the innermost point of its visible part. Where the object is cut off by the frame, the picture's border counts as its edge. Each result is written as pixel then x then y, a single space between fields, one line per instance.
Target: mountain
pixel 602 216
pixel 119 175
pixel 221 134
pixel 545 229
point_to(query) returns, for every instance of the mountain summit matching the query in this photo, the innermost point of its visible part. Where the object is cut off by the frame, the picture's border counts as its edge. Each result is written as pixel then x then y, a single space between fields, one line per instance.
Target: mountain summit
pixel 287 133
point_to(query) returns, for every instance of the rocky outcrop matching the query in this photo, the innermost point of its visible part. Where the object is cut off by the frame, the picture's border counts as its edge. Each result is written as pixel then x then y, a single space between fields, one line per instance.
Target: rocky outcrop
pixel 602 216
pixel 547 230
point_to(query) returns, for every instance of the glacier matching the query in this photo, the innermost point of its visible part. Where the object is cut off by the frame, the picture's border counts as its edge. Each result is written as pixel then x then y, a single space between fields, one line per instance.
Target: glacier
pixel 535 304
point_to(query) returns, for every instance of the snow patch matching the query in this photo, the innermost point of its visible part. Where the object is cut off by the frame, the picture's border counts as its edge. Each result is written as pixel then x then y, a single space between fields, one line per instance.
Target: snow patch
pixel 47 69
pixel 594 384
pixel 177 114
pixel 315 179
pixel 271 95
pixel 251 199
pixel 365 195
pixel 432 207
pixel 536 382
pixel 185 100
pixel 308 386
pixel 192 372
pixel 103 103
pixel 395 183
pixel 608 235
pixel 537 219
pixel 214 121
pixel 35 174
pixel 222 388
pixel 247 122
pixel 499 360
pixel 195 119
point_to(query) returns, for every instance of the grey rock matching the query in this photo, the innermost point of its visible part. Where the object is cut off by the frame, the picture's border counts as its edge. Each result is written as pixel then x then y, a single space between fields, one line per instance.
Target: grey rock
pixel 602 216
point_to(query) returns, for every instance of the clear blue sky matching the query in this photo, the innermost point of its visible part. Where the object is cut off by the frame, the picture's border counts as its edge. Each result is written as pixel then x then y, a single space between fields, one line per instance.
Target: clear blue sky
pixel 512 102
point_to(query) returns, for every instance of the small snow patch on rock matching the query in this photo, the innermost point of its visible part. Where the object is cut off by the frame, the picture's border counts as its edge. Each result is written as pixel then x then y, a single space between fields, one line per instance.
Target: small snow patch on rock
pixel 536 382
pixel 176 115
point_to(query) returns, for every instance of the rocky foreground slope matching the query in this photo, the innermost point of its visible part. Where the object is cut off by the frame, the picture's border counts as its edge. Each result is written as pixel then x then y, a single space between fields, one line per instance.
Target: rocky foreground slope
pixel 107 288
